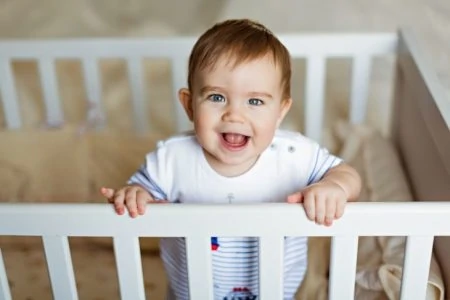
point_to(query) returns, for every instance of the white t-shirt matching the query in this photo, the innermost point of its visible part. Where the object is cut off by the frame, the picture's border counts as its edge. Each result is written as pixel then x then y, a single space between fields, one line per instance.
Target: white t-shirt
pixel 178 171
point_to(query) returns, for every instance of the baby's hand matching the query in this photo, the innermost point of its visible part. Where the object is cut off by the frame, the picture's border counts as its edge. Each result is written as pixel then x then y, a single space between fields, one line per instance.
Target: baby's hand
pixel 323 201
pixel 134 197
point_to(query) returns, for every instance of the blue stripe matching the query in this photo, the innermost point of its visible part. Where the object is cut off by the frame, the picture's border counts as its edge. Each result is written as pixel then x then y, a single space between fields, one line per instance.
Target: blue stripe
pixel 315 164
pixel 143 178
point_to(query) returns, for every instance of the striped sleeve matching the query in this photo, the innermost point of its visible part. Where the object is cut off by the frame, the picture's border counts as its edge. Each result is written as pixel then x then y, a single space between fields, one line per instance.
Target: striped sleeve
pixel 144 179
pixel 323 161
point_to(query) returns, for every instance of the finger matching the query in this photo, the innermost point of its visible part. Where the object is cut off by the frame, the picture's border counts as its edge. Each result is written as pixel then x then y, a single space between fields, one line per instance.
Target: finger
pixel 340 209
pixel 295 198
pixel 130 202
pixel 141 201
pixel 320 209
pixel 309 205
pixel 330 211
pixel 107 192
pixel 118 200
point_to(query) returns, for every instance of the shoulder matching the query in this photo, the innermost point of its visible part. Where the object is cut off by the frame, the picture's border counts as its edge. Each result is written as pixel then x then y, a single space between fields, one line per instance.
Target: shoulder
pixel 171 154
pixel 180 142
pixel 294 141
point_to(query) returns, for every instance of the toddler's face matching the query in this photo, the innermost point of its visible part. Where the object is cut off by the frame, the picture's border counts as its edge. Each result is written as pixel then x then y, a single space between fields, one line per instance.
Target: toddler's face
pixel 236 112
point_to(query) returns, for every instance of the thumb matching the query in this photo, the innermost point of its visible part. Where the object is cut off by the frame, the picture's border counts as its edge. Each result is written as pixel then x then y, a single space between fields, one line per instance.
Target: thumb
pixel 295 198
pixel 107 192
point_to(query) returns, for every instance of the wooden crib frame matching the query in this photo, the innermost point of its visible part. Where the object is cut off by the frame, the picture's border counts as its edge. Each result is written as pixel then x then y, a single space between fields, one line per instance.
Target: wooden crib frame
pixel 420 108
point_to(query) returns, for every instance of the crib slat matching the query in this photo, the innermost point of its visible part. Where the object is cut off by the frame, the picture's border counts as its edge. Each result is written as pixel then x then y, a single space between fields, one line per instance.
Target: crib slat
pixel 92 84
pixel 314 97
pixel 135 76
pixel 416 267
pixel 50 89
pixel 59 263
pixel 129 267
pixel 344 252
pixel 5 293
pixel 271 249
pixel 9 96
pixel 359 88
pixel 198 252
pixel 179 80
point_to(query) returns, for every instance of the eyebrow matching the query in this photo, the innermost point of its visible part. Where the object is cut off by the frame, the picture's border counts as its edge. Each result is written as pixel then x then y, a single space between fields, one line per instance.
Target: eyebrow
pixel 260 94
pixel 209 88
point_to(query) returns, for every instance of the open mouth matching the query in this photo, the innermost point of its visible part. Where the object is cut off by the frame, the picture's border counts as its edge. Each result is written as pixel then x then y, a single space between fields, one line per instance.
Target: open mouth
pixel 235 141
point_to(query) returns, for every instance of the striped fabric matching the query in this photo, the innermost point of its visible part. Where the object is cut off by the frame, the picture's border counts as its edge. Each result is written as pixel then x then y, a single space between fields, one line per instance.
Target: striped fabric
pixel 291 163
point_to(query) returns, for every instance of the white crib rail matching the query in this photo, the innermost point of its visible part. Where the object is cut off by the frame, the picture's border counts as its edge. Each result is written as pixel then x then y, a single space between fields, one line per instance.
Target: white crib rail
pixel 89 51
pixel 316 48
pixel 421 221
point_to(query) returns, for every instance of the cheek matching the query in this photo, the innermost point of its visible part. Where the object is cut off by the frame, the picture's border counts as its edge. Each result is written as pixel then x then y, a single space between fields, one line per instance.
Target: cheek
pixel 203 119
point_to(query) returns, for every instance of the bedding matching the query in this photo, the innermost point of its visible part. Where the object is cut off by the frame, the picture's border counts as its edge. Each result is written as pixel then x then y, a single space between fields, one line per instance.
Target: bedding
pixel 380 259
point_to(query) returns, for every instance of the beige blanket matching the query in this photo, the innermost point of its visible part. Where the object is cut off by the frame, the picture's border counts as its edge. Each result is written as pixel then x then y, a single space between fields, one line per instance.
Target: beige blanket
pixel 380 259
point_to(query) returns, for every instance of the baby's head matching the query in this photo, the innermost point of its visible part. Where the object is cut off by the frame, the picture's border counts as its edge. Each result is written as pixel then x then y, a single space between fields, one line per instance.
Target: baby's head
pixel 238 92
pixel 239 41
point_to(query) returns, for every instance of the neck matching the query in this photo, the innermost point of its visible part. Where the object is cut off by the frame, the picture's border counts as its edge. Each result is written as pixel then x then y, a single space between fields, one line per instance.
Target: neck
pixel 228 170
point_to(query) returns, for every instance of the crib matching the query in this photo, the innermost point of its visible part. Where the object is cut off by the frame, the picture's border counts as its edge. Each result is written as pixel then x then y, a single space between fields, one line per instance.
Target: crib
pixel 420 132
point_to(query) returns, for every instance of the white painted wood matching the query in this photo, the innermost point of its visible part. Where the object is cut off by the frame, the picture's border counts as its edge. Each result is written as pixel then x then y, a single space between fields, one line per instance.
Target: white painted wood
pixel 135 76
pixel 129 267
pixel 373 219
pixel 98 47
pixel 49 83
pixel 9 95
pixel 198 252
pixel 339 45
pixel 92 82
pixel 300 45
pixel 314 96
pixel 271 254
pixel 416 267
pixel 179 80
pixel 60 269
pixel 5 293
pixel 344 251
pixel 360 88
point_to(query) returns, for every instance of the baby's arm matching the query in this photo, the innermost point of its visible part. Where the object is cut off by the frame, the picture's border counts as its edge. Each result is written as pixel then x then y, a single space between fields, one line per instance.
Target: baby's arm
pixel 325 200
pixel 347 178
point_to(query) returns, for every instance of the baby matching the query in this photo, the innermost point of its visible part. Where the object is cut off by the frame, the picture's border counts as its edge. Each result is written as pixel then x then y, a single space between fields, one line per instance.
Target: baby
pixel 238 94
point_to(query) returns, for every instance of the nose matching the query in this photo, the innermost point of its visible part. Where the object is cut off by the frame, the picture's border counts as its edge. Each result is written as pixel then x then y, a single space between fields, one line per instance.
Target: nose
pixel 233 113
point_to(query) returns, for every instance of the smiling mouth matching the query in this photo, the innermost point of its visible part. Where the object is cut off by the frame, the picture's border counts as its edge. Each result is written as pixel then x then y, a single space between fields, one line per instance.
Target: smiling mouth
pixel 235 141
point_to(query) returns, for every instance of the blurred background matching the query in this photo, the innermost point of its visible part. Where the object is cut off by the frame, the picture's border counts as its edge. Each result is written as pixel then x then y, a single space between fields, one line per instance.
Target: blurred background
pixel 430 20
pixel 108 159
pixel 90 18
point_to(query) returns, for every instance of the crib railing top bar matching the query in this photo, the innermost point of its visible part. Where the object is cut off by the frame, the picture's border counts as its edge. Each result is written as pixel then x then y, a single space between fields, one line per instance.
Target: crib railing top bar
pixel 97 47
pixel 372 219
pixel 299 44
pixel 340 44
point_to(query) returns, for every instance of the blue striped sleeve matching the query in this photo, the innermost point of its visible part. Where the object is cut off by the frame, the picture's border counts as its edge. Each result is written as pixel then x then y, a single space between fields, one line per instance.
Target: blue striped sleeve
pixel 323 161
pixel 143 178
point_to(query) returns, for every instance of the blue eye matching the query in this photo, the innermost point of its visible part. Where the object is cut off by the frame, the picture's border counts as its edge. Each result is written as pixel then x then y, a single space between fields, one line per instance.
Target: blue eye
pixel 216 98
pixel 255 102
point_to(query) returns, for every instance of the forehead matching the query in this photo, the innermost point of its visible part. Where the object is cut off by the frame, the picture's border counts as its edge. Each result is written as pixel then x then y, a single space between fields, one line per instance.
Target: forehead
pixel 227 70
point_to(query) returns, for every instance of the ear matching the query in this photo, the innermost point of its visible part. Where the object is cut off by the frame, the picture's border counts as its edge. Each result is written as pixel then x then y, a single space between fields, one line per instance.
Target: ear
pixel 184 95
pixel 284 109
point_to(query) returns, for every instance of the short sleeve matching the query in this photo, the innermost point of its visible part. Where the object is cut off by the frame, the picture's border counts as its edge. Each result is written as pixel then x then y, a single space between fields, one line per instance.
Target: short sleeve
pixel 149 177
pixel 322 162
